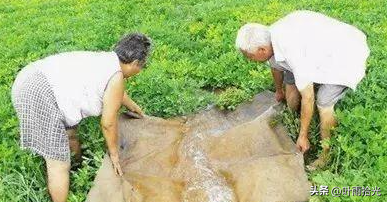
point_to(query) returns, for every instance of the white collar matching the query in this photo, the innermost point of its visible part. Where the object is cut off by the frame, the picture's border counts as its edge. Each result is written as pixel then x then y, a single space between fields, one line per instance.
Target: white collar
pixel 278 56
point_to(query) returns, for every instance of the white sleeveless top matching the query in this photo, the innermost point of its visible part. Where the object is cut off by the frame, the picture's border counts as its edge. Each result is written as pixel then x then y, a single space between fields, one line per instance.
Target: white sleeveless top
pixel 78 80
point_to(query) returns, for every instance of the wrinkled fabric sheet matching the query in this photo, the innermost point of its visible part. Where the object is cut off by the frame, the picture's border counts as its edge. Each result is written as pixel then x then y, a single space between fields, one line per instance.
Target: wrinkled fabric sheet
pixel 213 156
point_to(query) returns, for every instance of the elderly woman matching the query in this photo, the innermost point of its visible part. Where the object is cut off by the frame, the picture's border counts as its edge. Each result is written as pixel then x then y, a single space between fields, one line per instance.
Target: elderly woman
pixel 51 96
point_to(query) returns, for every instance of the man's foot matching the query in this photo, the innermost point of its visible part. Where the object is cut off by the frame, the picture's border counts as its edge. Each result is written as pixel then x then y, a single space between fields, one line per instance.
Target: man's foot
pixel 319 163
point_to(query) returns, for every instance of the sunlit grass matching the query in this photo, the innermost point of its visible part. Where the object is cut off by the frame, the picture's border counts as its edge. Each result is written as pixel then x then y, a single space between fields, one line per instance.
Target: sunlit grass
pixel 193 54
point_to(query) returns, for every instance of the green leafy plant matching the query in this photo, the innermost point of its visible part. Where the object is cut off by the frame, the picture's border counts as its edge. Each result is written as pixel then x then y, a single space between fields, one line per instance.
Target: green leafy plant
pixel 193 54
pixel 230 98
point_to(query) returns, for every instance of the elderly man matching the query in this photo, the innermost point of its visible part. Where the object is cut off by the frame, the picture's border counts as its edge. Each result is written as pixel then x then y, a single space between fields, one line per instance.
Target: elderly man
pixel 308 51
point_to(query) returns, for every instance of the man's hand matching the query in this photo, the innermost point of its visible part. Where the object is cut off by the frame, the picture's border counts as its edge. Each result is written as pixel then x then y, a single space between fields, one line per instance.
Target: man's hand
pixel 116 164
pixel 303 143
pixel 279 95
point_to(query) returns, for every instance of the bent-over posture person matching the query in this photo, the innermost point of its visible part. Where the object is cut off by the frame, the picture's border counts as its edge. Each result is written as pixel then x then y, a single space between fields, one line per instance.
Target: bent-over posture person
pixel 308 51
pixel 51 96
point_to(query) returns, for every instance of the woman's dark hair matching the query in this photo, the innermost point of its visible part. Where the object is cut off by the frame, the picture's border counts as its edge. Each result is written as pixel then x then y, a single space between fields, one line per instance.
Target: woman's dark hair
pixel 133 47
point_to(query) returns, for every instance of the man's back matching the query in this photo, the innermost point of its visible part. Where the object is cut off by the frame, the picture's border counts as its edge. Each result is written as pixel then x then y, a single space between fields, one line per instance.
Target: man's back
pixel 320 49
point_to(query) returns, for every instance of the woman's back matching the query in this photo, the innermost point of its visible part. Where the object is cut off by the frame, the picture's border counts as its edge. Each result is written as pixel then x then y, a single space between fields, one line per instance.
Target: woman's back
pixel 78 80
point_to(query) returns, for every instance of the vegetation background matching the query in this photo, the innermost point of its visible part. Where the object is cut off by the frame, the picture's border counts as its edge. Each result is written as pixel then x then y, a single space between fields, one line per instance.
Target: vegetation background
pixel 193 56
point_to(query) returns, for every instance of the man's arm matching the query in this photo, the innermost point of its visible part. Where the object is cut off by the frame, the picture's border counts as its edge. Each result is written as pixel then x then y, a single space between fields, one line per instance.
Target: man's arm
pixel 278 81
pixel 131 105
pixel 112 102
pixel 307 108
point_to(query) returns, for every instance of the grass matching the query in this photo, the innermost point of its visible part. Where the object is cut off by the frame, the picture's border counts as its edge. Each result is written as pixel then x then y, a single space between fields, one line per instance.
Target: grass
pixel 193 55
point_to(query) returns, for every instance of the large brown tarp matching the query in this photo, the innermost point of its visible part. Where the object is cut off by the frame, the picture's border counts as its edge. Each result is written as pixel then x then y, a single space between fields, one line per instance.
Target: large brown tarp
pixel 212 156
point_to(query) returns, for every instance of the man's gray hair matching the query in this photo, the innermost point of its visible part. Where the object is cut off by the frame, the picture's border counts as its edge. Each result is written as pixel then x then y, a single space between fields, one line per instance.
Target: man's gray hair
pixel 252 36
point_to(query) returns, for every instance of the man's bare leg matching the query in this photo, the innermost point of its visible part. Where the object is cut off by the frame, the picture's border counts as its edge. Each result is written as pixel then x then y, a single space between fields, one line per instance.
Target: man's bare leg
pixel 327 122
pixel 58 179
pixel 75 145
pixel 293 97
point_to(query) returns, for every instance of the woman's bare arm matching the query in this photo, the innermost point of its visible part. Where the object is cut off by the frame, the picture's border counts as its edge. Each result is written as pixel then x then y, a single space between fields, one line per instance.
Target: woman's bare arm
pixel 112 102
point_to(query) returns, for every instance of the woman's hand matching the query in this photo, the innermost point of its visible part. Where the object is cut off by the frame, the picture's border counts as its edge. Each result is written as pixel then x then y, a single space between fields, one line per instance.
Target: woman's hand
pixel 131 105
pixel 135 108
pixel 116 164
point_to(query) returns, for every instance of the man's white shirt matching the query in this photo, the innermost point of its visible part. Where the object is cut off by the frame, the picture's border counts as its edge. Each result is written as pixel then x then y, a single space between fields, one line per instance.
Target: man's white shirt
pixel 319 49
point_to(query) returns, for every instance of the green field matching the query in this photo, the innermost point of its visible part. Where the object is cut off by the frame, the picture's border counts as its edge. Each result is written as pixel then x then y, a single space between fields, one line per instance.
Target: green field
pixel 193 55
